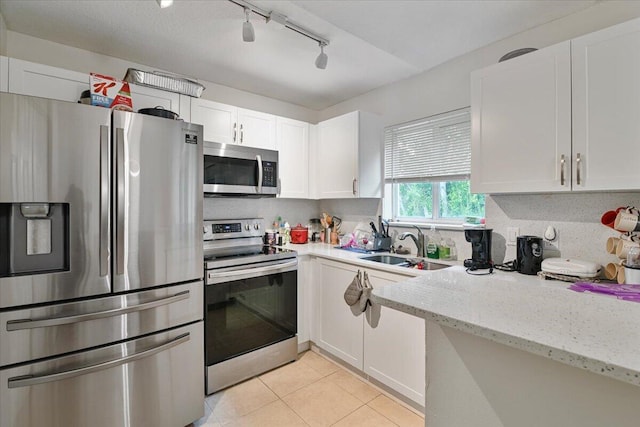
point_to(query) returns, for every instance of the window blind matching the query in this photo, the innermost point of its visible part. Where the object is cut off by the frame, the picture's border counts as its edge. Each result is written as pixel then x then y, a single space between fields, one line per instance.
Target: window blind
pixel 436 148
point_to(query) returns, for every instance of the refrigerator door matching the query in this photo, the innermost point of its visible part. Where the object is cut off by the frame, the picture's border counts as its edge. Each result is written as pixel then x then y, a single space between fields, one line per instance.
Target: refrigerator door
pixel 152 381
pixel 51 330
pixel 158 201
pixel 54 200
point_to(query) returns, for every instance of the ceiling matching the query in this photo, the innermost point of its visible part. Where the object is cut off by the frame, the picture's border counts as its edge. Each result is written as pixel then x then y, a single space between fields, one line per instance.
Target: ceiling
pixel 372 43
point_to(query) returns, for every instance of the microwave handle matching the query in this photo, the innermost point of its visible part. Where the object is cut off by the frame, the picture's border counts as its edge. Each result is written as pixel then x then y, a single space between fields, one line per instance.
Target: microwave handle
pixel 259 160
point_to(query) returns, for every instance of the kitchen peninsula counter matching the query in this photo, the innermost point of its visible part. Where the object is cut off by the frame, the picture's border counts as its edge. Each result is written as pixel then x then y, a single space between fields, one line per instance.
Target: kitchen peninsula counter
pixel 594 332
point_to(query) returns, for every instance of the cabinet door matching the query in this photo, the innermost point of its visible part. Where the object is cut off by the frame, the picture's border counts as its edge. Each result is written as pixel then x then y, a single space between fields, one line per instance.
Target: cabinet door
pixel 292 143
pixel 337 157
pixel 219 120
pixel 521 123
pixel 304 298
pixel 4 74
pixel 28 78
pixel 256 129
pixel 606 109
pixel 341 327
pixel 394 344
pixel 148 97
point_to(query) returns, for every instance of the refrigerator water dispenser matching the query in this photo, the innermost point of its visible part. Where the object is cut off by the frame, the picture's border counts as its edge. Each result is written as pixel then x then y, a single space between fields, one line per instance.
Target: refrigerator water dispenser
pixel 34 238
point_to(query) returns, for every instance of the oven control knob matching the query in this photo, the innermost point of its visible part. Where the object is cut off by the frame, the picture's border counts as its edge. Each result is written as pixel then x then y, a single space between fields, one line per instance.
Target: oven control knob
pixel 256 226
pixel 205 229
pixel 247 227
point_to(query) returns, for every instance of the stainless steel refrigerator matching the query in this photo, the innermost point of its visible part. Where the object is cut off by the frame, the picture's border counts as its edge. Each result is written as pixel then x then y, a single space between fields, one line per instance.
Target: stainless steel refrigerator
pixel 101 292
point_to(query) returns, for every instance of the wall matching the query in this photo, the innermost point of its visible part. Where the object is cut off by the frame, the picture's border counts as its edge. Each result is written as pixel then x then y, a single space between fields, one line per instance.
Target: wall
pixel 447 87
pixel 3 36
pixel 33 49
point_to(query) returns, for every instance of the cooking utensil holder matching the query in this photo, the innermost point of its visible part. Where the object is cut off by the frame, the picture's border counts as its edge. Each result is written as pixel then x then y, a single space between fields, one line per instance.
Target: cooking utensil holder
pixel 381 243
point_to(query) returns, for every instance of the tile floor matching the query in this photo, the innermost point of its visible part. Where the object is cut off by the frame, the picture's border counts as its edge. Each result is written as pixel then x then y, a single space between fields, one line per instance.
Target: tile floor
pixel 313 391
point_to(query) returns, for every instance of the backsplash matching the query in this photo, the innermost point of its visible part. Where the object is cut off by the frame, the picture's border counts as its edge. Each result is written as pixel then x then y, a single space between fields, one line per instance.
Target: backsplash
pixel 576 217
pixel 294 211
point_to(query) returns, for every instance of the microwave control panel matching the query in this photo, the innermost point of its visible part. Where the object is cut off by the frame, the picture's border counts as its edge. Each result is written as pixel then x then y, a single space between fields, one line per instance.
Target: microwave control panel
pixel 269 175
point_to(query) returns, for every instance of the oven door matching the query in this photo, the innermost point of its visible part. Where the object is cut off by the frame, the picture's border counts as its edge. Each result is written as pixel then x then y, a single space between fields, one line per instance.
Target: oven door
pixel 231 169
pixel 248 308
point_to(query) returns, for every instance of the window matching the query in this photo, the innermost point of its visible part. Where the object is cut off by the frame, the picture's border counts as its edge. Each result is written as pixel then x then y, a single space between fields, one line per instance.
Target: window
pixel 427 168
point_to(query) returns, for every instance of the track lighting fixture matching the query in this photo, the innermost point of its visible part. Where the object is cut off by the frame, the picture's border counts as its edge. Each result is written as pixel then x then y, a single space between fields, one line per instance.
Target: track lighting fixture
pixel 321 60
pixel 248 34
pixel 164 3
pixel 281 21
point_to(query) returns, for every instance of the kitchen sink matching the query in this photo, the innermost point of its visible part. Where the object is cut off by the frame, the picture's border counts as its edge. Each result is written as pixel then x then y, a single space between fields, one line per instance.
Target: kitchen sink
pixel 387 259
pixel 405 262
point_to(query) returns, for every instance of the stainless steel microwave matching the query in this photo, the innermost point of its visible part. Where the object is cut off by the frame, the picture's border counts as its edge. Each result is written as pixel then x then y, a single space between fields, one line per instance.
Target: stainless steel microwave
pixel 237 170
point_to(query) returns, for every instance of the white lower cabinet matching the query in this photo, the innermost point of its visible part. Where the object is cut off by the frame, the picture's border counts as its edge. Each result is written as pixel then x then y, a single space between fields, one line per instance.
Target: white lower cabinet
pixel 341 327
pixel 394 344
pixel 386 344
pixel 305 274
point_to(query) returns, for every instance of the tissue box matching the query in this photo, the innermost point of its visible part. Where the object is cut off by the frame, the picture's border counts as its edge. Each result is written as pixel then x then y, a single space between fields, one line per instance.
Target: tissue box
pixel 110 93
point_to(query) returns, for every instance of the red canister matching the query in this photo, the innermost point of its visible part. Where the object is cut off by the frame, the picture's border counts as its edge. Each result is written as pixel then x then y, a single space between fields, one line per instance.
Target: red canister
pixel 299 234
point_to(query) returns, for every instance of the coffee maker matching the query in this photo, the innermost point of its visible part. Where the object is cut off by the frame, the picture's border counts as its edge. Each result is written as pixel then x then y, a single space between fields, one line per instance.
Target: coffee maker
pixel 480 240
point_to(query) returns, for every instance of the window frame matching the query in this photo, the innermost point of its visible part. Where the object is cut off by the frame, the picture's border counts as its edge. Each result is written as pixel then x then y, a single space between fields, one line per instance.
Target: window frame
pixel 394 177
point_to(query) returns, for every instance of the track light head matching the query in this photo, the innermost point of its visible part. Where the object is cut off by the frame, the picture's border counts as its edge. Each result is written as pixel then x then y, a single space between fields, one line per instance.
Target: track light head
pixel 164 3
pixel 321 60
pixel 248 35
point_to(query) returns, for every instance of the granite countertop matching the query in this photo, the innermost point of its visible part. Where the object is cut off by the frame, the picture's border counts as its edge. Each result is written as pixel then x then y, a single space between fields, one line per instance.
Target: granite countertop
pixel 594 332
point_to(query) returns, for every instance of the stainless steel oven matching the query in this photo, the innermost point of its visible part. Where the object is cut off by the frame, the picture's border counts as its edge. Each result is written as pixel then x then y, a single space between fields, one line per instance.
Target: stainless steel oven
pixel 250 303
pixel 236 170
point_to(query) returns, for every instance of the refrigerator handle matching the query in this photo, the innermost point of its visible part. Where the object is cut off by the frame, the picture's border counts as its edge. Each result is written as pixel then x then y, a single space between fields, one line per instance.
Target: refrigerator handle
pixel 31 380
pixel 120 177
pixel 259 160
pixel 104 200
pixel 21 324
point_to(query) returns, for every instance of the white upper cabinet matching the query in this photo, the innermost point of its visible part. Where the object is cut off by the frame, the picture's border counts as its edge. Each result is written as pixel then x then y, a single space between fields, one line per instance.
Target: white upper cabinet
pixel 232 125
pixel 562 118
pixel 219 120
pixel 521 123
pixel 606 109
pixel 348 156
pixel 256 129
pixel 29 78
pixel 4 74
pixel 292 143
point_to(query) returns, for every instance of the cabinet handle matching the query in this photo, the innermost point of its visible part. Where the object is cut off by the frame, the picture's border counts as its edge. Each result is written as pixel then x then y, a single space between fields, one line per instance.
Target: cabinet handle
pixel 235 126
pixel 353 186
pixel 241 134
pixel 578 164
pixel 562 162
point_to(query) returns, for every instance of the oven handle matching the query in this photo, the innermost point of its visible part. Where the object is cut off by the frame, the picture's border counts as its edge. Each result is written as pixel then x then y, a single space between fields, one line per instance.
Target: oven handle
pixel 31 380
pixel 247 273
pixel 16 325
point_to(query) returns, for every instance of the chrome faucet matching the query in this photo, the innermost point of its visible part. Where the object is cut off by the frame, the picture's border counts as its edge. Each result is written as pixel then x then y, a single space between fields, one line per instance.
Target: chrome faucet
pixel 418 240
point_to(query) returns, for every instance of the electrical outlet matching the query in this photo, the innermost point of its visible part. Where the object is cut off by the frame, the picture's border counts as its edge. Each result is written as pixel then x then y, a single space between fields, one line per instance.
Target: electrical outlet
pixel 512 235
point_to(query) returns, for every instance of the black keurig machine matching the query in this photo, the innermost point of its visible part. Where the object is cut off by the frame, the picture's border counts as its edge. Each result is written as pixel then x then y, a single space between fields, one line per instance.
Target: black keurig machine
pixel 529 254
pixel 480 240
